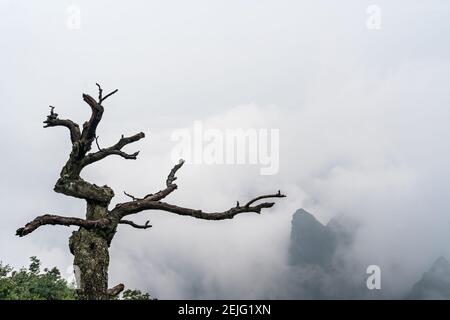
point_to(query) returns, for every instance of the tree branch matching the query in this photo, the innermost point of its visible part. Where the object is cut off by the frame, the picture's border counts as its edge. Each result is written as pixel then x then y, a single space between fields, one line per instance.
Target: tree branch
pixel 165 192
pixel 277 195
pixel 152 202
pixel 98 145
pixel 79 188
pixel 114 291
pixel 63 221
pixel 100 94
pixel 108 95
pixel 114 150
pixel 90 127
pixel 170 185
pixel 54 121
pixel 131 196
pixel 137 226
pixel 124 209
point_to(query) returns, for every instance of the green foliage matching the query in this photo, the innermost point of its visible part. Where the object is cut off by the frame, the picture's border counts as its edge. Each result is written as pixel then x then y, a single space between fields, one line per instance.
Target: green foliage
pixel 135 295
pixel 32 284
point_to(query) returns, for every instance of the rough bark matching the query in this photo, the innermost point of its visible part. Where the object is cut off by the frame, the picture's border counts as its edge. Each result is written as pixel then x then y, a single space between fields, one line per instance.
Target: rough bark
pixel 90 248
pixel 90 243
pixel 91 259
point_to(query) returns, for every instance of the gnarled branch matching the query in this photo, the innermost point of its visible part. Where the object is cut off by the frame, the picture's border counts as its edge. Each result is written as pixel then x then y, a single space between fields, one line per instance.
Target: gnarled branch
pixel 170 185
pixel 152 202
pixel 135 225
pixel 277 195
pixel 124 209
pixel 114 150
pixel 49 219
pixel 90 127
pixel 54 121
pixel 81 189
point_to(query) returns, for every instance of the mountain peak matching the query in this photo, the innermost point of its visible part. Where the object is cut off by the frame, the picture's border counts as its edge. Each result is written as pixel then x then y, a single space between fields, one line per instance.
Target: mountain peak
pixel 441 262
pixel 311 241
pixel 435 283
pixel 302 216
pixel 303 211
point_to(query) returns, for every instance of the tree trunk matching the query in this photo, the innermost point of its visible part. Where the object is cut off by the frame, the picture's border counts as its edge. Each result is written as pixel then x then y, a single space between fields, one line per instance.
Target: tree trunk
pixel 91 256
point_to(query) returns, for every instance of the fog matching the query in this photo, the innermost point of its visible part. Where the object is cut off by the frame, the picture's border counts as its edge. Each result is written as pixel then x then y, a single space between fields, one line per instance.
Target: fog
pixel 363 118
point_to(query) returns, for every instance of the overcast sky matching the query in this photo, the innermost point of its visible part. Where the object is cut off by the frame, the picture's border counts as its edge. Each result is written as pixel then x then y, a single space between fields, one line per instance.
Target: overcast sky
pixel 363 117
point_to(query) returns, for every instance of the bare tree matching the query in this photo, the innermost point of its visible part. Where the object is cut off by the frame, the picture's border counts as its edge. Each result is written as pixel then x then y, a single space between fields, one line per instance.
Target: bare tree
pixel 90 243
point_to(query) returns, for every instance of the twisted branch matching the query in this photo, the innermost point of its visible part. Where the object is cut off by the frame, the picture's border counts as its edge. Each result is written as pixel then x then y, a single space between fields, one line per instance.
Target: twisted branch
pixel 90 127
pixel 170 185
pixel 152 202
pixel 135 225
pixel 277 195
pixel 54 121
pixel 114 150
pixel 49 219
pixel 134 207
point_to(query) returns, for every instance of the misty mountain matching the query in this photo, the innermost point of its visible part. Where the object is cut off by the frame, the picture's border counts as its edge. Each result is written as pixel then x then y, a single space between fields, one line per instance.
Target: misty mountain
pixel 320 263
pixel 323 266
pixel 435 283
pixel 313 243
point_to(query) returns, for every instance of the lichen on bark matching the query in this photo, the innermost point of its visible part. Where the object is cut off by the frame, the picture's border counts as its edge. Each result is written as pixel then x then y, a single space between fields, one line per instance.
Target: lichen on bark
pixel 91 257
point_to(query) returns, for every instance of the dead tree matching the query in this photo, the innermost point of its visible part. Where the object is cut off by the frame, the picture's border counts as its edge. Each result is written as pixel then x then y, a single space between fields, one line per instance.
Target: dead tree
pixel 90 243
